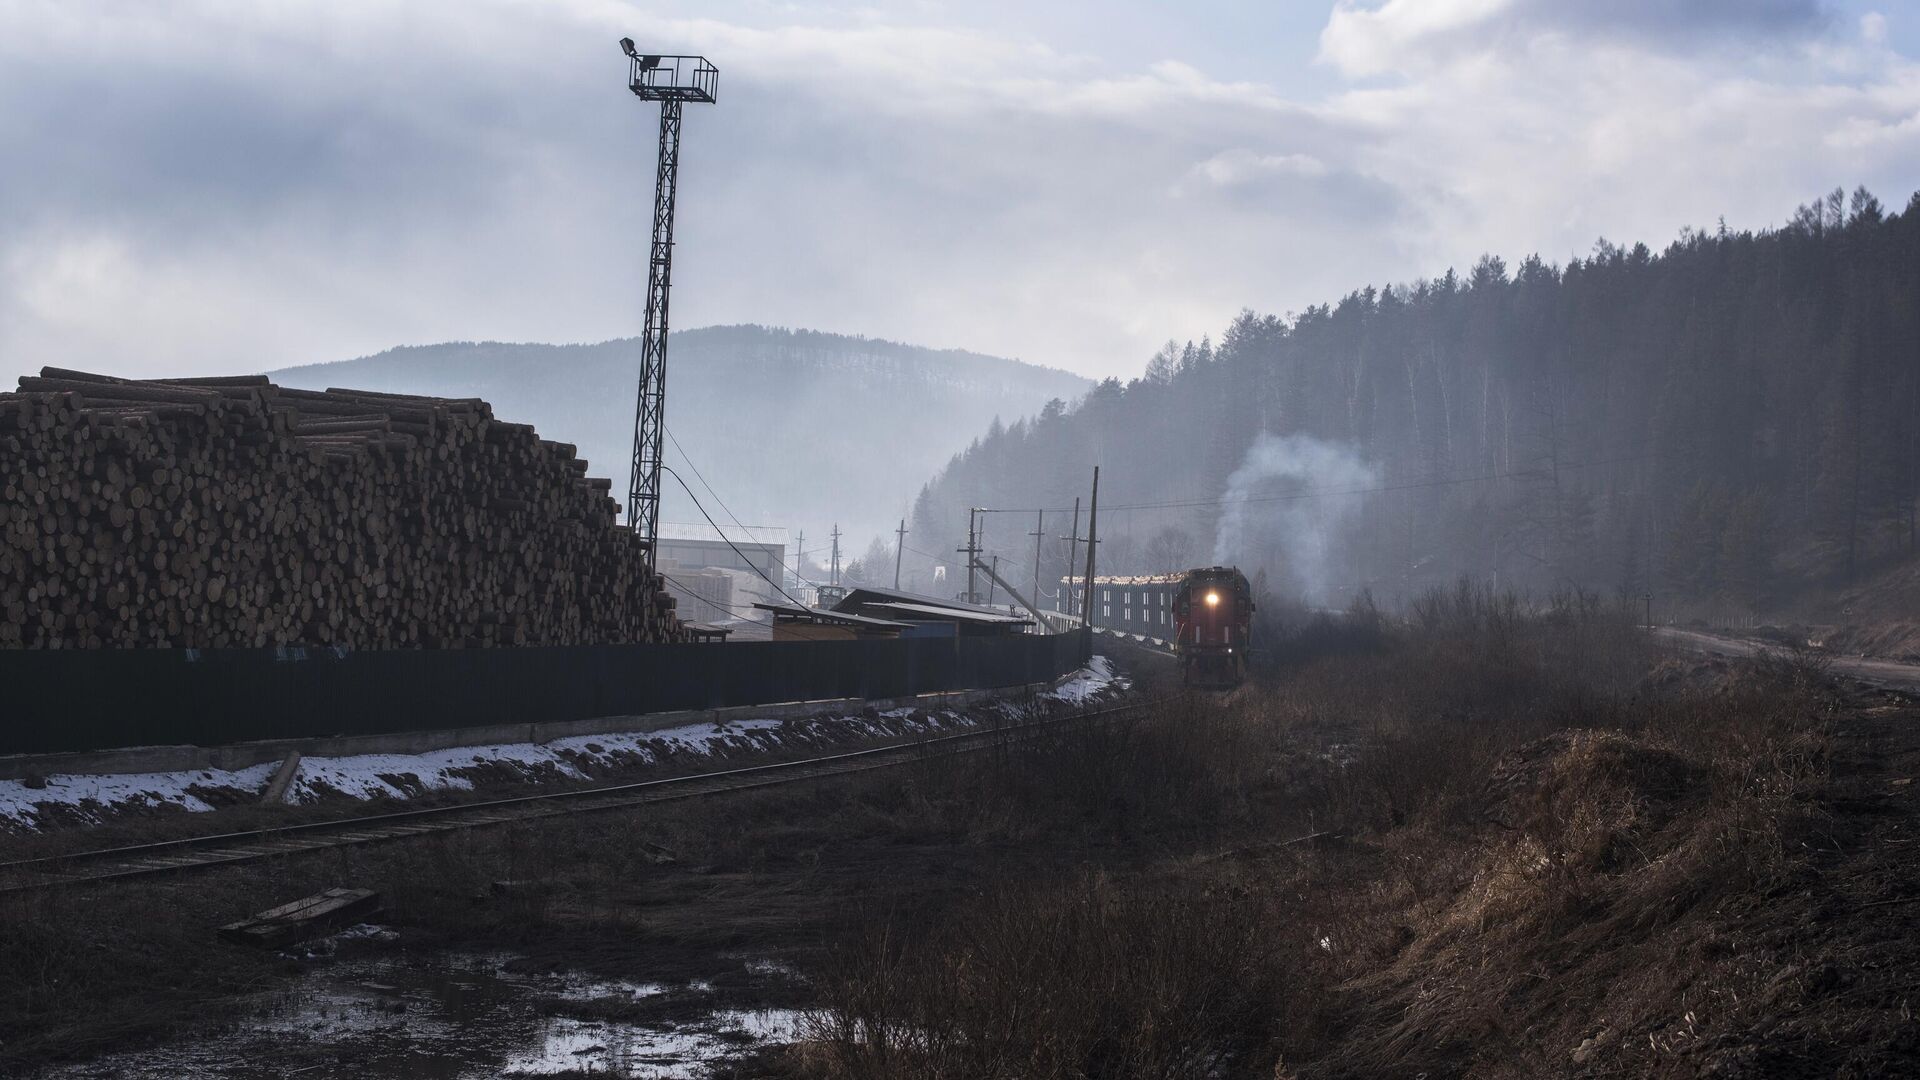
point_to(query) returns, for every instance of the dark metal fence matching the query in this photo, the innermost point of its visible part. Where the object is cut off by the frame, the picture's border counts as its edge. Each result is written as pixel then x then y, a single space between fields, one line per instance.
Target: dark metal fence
pixel 61 701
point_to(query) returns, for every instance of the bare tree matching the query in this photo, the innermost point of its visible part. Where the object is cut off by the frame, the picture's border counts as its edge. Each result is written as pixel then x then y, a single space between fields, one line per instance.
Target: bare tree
pixel 1170 551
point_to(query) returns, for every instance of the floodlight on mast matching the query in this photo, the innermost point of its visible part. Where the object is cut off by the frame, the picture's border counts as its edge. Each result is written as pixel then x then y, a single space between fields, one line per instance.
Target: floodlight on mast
pixel 672 81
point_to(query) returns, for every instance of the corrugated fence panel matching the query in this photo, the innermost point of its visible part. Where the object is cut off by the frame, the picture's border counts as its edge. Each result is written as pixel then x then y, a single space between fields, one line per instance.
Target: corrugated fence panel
pixel 72 700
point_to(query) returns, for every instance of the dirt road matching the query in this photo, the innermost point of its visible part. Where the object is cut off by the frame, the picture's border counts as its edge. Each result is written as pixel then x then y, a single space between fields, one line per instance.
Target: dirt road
pixel 1888 673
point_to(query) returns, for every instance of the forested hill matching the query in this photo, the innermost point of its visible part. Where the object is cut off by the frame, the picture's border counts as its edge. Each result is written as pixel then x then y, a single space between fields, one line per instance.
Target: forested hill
pixel 794 428
pixel 1720 423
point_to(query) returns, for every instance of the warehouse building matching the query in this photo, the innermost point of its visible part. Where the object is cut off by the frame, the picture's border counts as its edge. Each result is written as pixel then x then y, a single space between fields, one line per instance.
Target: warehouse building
pixel 704 547
pixel 716 573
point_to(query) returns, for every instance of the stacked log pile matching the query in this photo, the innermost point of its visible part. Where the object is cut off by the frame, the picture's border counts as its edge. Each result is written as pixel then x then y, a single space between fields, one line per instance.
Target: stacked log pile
pixel 230 512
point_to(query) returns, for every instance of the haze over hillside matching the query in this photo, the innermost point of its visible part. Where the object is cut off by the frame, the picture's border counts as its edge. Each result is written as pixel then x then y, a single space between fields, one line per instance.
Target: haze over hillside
pixel 1724 425
pixel 792 428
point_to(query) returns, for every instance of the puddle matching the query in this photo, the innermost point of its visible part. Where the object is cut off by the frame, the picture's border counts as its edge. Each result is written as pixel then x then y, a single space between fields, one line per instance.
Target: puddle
pixel 632 1051
pixel 581 990
pixel 466 1017
pixel 777 968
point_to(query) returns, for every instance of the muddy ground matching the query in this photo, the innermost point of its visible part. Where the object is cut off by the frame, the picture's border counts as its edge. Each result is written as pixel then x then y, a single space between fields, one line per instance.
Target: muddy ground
pixel 754 889
pixel 1429 857
pixel 705 902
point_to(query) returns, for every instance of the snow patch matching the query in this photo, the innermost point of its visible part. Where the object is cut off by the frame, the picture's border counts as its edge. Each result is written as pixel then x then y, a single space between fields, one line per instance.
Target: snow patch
pixel 400 776
pixel 22 804
pixel 1091 681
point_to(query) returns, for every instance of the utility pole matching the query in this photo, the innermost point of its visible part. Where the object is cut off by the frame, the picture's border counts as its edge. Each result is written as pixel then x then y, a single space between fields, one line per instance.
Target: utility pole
pixel 1093 538
pixel 972 552
pixel 1039 534
pixel 1073 555
pixel 672 81
pixel 799 556
pixel 1039 620
pixel 836 553
pixel 899 545
pixel 993 575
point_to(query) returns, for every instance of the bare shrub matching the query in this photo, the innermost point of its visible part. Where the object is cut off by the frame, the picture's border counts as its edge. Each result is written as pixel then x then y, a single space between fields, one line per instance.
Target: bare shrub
pixel 1088 978
pixel 1185 764
pixel 1523 833
pixel 1796 667
pixel 1472 673
pixel 1291 634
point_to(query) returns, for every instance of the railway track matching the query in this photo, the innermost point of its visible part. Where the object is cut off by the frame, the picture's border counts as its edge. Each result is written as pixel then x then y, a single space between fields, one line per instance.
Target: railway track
pixel 229 849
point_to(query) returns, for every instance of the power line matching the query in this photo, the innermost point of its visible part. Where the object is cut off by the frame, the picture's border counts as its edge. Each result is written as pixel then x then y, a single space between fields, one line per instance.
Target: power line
pixel 688 458
pixel 928 554
pixel 723 535
pixel 728 608
pixel 1296 495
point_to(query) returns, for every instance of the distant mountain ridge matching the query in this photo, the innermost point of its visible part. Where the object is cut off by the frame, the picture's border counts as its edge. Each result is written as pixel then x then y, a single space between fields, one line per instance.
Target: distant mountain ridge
pixel 796 428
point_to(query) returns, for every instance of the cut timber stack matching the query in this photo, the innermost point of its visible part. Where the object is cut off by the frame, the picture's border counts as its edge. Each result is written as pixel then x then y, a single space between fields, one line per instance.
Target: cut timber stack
pixel 232 513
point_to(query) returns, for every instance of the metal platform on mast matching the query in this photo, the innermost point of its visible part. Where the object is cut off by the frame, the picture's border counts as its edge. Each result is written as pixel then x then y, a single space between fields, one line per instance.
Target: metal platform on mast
pixel 672 81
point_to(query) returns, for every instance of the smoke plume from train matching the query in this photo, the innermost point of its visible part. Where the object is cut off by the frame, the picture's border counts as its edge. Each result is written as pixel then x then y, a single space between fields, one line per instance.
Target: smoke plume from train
pixel 1277 512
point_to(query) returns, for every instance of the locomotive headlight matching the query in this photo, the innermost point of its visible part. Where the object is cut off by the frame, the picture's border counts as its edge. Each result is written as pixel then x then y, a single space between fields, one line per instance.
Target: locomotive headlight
pixel 1213 599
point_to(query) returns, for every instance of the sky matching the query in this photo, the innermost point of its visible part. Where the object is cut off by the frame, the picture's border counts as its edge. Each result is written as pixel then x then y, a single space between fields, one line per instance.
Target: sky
pixel 215 186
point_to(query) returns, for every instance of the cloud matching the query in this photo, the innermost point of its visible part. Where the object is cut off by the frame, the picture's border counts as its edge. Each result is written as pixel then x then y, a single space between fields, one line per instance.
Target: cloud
pixel 1237 167
pixel 302 188
pixel 1313 200
pixel 1537 126
pixel 213 186
pixel 1364 39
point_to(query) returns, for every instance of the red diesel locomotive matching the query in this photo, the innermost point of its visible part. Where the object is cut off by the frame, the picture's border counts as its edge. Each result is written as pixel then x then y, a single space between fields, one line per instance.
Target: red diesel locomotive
pixel 1204 615
pixel 1213 610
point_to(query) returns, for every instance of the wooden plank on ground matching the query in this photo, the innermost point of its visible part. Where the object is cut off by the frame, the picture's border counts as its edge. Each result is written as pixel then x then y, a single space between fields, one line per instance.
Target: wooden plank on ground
pixel 307 917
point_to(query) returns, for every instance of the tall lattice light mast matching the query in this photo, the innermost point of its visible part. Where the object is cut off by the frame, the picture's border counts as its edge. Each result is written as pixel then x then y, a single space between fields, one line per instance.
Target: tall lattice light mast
pixel 672 81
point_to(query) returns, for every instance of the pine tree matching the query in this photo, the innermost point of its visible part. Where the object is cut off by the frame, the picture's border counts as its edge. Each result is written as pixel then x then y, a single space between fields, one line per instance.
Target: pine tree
pixel 1718 419
pixel 1746 553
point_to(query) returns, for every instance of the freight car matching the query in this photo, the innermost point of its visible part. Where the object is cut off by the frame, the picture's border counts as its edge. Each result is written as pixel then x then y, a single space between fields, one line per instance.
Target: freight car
pixel 1205 615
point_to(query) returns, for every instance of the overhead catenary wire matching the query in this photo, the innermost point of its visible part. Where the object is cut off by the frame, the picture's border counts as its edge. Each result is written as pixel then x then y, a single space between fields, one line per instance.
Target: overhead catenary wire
pixel 794 566
pixel 937 558
pixel 723 535
pixel 688 458
pixel 1294 496
pixel 737 612
pixel 1335 493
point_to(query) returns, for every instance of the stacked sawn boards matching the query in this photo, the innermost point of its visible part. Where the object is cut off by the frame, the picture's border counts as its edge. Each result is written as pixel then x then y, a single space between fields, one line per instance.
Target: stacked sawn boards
pixel 230 512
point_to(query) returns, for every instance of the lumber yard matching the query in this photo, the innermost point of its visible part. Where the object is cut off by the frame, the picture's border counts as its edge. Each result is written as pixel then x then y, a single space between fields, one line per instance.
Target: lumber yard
pixel 232 513
pixel 212 562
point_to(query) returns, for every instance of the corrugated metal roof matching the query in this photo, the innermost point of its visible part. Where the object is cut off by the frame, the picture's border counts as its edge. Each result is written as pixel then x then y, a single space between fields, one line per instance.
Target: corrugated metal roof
pixel 822 614
pixel 864 595
pixel 759 535
pixel 956 614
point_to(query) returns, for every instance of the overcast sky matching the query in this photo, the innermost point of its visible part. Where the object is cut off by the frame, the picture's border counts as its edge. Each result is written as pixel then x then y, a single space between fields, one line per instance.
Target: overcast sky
pixel 205 186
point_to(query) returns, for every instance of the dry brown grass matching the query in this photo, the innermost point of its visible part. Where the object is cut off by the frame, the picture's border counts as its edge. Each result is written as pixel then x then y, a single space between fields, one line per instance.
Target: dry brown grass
pixel 1607 857
pixel 1537 852
pixel 1081 978
pixel 1533 849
